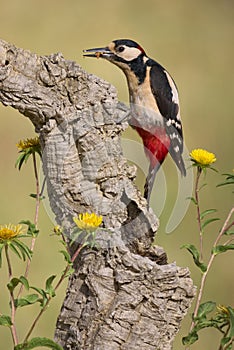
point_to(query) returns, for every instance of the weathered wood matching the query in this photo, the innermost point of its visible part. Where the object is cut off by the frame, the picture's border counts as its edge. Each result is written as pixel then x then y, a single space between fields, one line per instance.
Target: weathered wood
pixel 123 294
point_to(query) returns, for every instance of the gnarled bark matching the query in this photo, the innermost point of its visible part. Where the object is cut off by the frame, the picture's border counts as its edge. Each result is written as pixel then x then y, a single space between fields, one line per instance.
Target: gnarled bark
pixel 123 294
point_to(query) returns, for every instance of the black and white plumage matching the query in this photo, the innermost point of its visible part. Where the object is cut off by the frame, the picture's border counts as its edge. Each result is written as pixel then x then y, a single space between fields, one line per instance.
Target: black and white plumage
pixel 154 104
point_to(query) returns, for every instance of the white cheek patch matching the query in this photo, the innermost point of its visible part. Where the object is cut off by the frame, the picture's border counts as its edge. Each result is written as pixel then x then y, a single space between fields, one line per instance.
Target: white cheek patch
pixel 130 53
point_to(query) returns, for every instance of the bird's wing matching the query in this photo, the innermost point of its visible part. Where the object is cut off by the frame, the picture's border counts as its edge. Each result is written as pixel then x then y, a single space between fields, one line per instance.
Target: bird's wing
pixel 166 96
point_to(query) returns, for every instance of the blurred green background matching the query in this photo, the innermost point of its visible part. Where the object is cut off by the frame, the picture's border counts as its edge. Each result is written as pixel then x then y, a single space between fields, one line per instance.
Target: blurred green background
pixel 194 41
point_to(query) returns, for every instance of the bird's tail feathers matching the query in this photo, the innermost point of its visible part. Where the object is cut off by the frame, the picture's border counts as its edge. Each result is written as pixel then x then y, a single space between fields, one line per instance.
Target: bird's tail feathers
pixel 152 174
pixel 150 181
pixel 178 159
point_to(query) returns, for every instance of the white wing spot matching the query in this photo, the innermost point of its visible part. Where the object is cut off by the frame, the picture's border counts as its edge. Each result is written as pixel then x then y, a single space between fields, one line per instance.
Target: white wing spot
pixel 169 122
pixel 175 97
pixel 177 125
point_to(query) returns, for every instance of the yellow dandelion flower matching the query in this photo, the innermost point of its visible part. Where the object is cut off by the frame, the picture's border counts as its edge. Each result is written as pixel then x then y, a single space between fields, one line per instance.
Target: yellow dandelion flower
pixel 87 221
pixel 26 148
pixel 202 157
pixel 10 231
pixel 23 145
pixel 58 230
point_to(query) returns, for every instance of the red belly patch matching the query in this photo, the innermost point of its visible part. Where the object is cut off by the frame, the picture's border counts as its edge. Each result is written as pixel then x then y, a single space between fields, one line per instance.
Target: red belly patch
pixel 156 144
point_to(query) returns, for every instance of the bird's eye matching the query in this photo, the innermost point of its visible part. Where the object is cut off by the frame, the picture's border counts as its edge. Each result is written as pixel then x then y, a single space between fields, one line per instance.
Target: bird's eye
pixel 120 48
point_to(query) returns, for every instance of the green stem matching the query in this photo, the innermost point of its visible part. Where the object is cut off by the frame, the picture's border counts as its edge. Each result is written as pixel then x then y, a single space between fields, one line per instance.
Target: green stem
pixel 36 215
pixel 199 171
pixel 76 253
pixel 37 190
pixel 226 346
pixel 63 276
pixel 42 187
pixel 225 227
pixel 221 347
pixel 46 305
pixel 12 302
pixel 10 274
pixel 36 320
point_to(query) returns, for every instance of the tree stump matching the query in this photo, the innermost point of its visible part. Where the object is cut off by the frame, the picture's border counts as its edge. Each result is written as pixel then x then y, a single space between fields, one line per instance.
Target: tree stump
pixel 123 293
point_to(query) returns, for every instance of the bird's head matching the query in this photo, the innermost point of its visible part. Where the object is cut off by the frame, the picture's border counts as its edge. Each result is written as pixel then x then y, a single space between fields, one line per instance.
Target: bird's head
pixel 119 52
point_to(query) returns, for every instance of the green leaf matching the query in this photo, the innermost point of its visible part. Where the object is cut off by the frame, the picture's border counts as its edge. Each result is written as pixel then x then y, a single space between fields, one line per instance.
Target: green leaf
pixel 63 243
pixel 32 230
pixel 15 281
pixel 14 249
pixel 24 249
pixel 49 288
pixel 204 309
pixel 191 338
pixel 196 257
pixel 39 290
pixel 27 300
pixel 210 167
pixel 12 284
pixel 228 181
pixel 19 160
pixel 23 157
pixel 207 222
pixel 224 341
pixel 43 294
pixel 5 321
pixel 204 323
pixel 24 282
pixel 67 256
pixel 192 249
pixel 231 317
pixel 228 233
pixel 222 248
pixel 206 212
pixel 192 200
pixel 38 342
pixel 70 272
pixel 34 195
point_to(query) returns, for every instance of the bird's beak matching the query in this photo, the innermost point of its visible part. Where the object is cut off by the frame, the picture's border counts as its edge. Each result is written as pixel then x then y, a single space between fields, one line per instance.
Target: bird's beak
pixel 103 52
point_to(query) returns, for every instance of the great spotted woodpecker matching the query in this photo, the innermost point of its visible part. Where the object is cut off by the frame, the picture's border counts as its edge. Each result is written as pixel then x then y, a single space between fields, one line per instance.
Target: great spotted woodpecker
pixel 154 102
